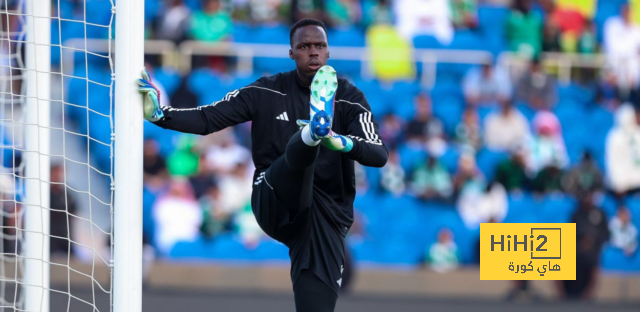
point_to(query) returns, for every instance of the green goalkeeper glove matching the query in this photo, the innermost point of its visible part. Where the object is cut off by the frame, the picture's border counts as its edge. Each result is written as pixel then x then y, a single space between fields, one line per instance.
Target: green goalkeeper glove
pixel 333 141
pixel 151 98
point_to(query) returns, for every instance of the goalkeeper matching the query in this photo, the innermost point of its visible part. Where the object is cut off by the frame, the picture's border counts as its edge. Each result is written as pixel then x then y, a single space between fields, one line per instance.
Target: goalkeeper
pixel 308 128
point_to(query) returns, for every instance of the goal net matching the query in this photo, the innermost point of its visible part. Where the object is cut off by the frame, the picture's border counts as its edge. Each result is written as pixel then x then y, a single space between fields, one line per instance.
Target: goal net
pixel 57 136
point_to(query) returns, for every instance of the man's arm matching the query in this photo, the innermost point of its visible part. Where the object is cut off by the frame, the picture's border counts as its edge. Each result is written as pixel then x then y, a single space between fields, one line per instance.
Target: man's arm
pixel 368 149
pixel 231 110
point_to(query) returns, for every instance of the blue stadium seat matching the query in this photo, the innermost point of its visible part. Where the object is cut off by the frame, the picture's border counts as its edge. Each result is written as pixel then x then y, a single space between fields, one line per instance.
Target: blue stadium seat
pixel 270 250
pixel 556 209
pixel 492 19
pixel 450 159
pixel 522 209
pixel 448 109
pixel 613 259
pixel 98 12
pixel 148 223
pixel 426 42
pixel 272 66
pixel 467 40
pixel 228 247
pixel 577 93
pixel 346 68
pixel 198 249
pixel 365 251
pixel 447 87
pixel 488 161
pixel 411 156
pixel 271 34
pixel 375 96
pixel 373 178
pixel 207 85
pixel 243 33
pixel 347 37
pixel 169 78
pixel 400 98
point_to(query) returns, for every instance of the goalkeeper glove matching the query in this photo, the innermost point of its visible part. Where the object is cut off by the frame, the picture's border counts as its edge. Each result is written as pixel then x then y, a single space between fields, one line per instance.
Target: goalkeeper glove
pixel 151 98
pixel 332 141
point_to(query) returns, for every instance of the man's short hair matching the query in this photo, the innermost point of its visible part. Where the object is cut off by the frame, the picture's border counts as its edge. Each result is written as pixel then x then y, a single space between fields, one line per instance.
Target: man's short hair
pixel 305 22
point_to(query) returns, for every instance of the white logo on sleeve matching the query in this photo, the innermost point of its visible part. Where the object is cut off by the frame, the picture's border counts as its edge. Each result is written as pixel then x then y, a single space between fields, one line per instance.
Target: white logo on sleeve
pixel 340 280
pixel 283 116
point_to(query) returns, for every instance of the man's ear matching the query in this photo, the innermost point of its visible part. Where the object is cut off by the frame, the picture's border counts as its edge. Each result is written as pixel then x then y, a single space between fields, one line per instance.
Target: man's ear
pixel 291 54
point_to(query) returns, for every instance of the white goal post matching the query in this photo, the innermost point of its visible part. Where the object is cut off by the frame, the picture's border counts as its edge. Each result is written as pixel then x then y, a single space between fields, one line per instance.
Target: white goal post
pixel 127 284
pixel 42 125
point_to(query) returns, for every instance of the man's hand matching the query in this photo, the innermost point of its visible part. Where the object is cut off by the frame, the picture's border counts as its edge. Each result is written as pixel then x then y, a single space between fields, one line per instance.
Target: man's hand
pixel 151 98
pixel 333 141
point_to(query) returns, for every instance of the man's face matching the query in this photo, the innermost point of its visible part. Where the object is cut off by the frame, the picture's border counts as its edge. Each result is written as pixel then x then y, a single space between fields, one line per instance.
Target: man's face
pixel 310 50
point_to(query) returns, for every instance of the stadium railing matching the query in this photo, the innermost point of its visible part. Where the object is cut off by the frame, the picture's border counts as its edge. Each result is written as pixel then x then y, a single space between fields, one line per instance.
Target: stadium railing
pixel 180 56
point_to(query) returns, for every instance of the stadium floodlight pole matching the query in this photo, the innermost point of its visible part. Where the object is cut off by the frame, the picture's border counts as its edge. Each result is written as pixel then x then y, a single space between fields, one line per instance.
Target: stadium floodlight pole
pixel 36 157
pixel 127 231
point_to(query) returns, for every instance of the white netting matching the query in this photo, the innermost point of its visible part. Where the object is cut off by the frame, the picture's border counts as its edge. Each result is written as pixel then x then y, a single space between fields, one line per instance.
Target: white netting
pixel 81 153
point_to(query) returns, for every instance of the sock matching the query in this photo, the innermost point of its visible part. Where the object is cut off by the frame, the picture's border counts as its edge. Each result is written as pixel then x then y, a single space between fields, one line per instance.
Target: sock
pixel 308 138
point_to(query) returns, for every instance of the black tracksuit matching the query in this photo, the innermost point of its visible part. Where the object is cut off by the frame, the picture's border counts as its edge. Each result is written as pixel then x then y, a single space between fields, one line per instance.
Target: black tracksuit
pixel 302 196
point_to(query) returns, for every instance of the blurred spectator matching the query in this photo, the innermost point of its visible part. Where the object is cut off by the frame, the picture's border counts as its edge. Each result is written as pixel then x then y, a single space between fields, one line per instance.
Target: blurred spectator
pixel 307 9
pixel 248 228
pixel 468 178
pixel 511 173
pixel 174 23
pixel 215 218
pixel 376 12
pixel 391 129
pixel 591 233
pixel 464 13
pixel 523 29
pixel 177 216
pixel 154 165
pixel 223 156
pixel 424 17
pixel 624 234
pixel 563 25
pixel 392 176
pixel 212 23
pixel 265 11
pixel 443 254
pixel 537 88
pixel 63 210
pixel 431 181
pixel 362 183
pixel 621 45
pixel 184 159
pixel 509 117
pixel 236 187
pixel 487 85
pixel 587 42
pixel 203 180
pixel 481 205
pixel 551 36
pixel 426 128
pixel 548 180
pixel 546 148
pixel 585 177
pixel 344 13
pixel 468 133
pixel 623 152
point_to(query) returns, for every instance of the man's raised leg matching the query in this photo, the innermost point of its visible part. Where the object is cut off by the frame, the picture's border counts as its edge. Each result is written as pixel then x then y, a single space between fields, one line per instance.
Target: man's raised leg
pixel 291 176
